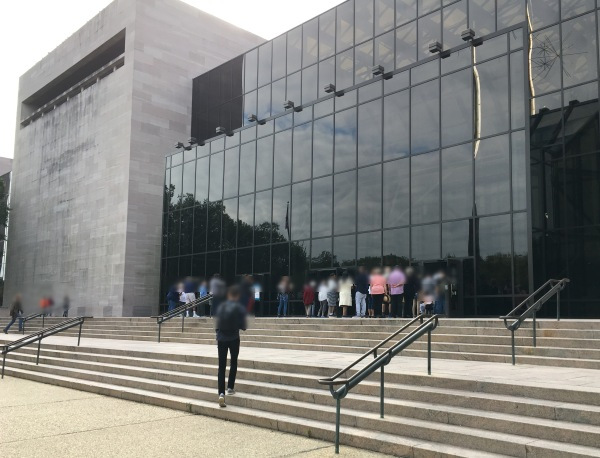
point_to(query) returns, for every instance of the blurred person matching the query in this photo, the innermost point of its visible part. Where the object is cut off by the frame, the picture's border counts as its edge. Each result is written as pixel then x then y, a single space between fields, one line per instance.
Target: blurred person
pixel 189 290
pixel 411 288
pixel 396 281
pixel 323 299
pixel 230 318
pixel 246 293
pixel 283 295
pixel 362 289
pixel 345 288
pixel 218 289
pixel 378 290
pixel 440 293
pixel 66 306
pixel 427 294
pixel 16 313
pixel 308 298
pixel 332 294
pixel 202 292
pixel 172 298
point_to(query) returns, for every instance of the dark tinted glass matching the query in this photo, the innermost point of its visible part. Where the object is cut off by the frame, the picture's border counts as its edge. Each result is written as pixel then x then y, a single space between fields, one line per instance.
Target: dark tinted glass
pixel 229 223
pixel 396 125
pixel 369 198
pixel 213 263
pixel 493 245
pixel 369 249
pixel 199 266
pixel 425 188
pixel 457 182
pixel 213 228
pixel 294 50
pixel 521 253
pixel 323 146
pixel 396 246
pixel 174 220
pixel 425 242
pixel 245 220
pixel 176 180
pixel 300 223
pixel 232 167
pixel 202 179
pixel 396 193
pixel 262 217
pixel 186 231
pixel 425 117
pixel 302 153
pixel 344 250
pixel 279 57
pixel 545 60
pixel 369 132
pixel 264 163
pixel 494 96
pixel 262 263
pixel 583 190
pixel 456 239
pixel 457 107
pixel 345 139
pixel 216 176
pixel 244 261
pixel 200 228
pixel 321 253
pixel 579 50
pixel 281 200
pixel 517 90
pixel 492 175
pixel 581 126
pixel 247 167
pixel 519 171
pixel 264 63
pixel 322 211
pixel 228 266
pixel 345 25
pixel 283 158
pixel 344 206
pixel 326 34
pixel 310 42
pixel 187 188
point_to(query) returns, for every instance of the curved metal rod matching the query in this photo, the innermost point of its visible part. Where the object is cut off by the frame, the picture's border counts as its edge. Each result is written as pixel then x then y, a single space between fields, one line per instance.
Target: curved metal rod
pixel 372 350
pixel 181 309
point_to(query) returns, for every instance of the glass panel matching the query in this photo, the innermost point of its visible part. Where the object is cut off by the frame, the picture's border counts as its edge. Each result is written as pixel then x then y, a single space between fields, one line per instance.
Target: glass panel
pixel 283 158
pixel 281 199
pixel 280 262
pixel 321 255
pixel 199 266
pixel 363 61
pixel 545 60
pixel 345 139
pixel 583 190
pixel 213 227
pixel 369 198
pixel 244 261
pixel 310 42
pixel 186 231
pixel 581 126
pixel 344 76
pixel 265 129
pixel 396 247
pixel 294 50
pixel 384 51
pixel 396 192
pixel 425 110
pixel 229 223
pixel 323 146
pixel 344 250
pixel 363 20
pixel 425 242
pixel 348 100
pixel 262 263
pixel 247 167
pixel 345 25
pixel 425 188
pixel 326 34
pixel 216 176
pixel 284 122
pixel 455 21
pixel 457 182
pixel 173 233
pixel 519 171
pixel 264 64
pixel 369 249
pixel 232 166
pixel 302 153
pixel 200 228
pixel 326 75
pixel 263 109
pixel 249 106
pixel 217 145
pixel 491 48
pixel 279 57
pixel 493 247
pixel 245 220
pixel 202 179
pixel 579 50
pixel 570 8
pixel 278 96
pixel 457 107
pixel 309 85
pixel 406 44
pixel 482 16
pixel 425 6
pixel 264 159
pixel 510 13
pixel 521 253
pixel 189 155
pixel 492 79
pixel 176 181
pixel 369 132
pixel 250 71
pixel 406 10
pixel 517 90
pixel 262 217
pixel 187 188
pixel 584 265
pixel 322 211
pixel 384 16
pixel 542 13
pixel 515 39
pixel 396 125
pixel 323 108
pixel 300 222
pixel 228 266
pixel 213 263
pixel 344 208
pixel 430 30
pixel 492 175
pixel 424 72
pixel 456 239
pixel 294 88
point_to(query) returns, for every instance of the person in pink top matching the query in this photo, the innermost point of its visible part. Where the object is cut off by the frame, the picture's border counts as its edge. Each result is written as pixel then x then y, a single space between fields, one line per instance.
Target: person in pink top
pixel 396 281
pixel 378 290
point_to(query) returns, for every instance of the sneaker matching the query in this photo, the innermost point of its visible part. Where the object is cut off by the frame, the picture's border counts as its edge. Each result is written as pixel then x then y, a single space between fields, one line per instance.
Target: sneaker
pixel 230 391
pixel 195 315
pixel 222 400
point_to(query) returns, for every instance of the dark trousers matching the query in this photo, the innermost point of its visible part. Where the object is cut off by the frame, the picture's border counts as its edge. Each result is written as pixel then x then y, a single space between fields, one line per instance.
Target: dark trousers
pixel 233 346
pixel 214 306
pixel 12 321
pixel 396 305
pixel 377 303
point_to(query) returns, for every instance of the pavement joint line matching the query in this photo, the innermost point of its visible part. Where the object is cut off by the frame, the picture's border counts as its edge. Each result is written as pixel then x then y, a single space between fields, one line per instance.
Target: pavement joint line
pixel 303 452
pixel 98 429
pixel 51 402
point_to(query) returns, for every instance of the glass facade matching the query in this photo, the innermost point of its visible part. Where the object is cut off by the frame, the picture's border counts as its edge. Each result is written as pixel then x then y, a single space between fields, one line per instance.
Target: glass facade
pixel 484 159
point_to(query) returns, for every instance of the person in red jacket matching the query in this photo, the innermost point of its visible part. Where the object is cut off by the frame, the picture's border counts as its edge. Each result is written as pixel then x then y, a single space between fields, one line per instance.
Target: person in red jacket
pixel 308 297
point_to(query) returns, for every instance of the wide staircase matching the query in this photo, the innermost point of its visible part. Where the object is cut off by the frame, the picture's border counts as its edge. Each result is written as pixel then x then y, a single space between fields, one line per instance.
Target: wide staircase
pixel 569 343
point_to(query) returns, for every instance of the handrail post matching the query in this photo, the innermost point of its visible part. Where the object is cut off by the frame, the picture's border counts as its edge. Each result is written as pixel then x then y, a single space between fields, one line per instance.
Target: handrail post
pixel 381 390
pixel 558 305
pixel 43 320
pixel 429 352
pixel 534 331
pixel 37 361
pixel 183 319
pixel 79 337
pixel 337 426
pixel 512 341
pixel 159 325
pixel 3 363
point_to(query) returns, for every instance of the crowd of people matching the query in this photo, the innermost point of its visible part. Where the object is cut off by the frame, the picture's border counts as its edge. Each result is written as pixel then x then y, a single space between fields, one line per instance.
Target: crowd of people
pixel 47 308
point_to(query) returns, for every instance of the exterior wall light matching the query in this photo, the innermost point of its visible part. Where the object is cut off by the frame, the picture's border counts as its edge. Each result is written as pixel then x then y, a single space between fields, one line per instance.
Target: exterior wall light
pixel 477 41
pixel 252 118
pixel 201 143
pixel 179 145
pixel 467 34
pixel 288 104
pixel 220 130
pixel 445 54
pixel 377 70
pixel 330 88
pixel 192 141
pixel 435 47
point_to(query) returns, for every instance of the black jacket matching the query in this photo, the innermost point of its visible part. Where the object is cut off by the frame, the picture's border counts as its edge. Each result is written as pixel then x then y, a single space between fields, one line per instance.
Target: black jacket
pixel 230 318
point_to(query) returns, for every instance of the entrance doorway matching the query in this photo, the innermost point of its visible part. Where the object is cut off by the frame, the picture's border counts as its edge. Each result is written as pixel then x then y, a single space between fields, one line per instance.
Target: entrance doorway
pixel 454 285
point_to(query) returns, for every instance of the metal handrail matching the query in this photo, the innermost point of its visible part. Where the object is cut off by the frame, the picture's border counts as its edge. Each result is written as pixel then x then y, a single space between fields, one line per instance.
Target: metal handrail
pixel 38 336
pixel 31 317
pixel 182 309
pixel 556 286
pixel 378 363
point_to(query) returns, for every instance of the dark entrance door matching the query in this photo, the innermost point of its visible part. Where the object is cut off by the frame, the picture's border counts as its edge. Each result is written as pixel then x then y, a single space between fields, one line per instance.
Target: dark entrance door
pixel 455 291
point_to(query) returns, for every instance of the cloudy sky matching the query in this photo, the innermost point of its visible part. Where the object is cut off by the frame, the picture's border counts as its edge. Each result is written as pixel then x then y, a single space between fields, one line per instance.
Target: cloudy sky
pixel 30 29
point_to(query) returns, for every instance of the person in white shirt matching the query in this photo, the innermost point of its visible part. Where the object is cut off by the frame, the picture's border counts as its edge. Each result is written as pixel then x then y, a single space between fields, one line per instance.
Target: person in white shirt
pixel 345 287
pixel 323 299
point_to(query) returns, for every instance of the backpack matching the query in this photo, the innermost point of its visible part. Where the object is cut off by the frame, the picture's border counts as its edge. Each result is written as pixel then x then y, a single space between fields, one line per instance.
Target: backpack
pixel 230 317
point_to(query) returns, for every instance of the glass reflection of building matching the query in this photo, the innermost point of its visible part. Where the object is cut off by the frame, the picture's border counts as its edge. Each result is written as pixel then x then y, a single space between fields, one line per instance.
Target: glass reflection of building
pixel 484 158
